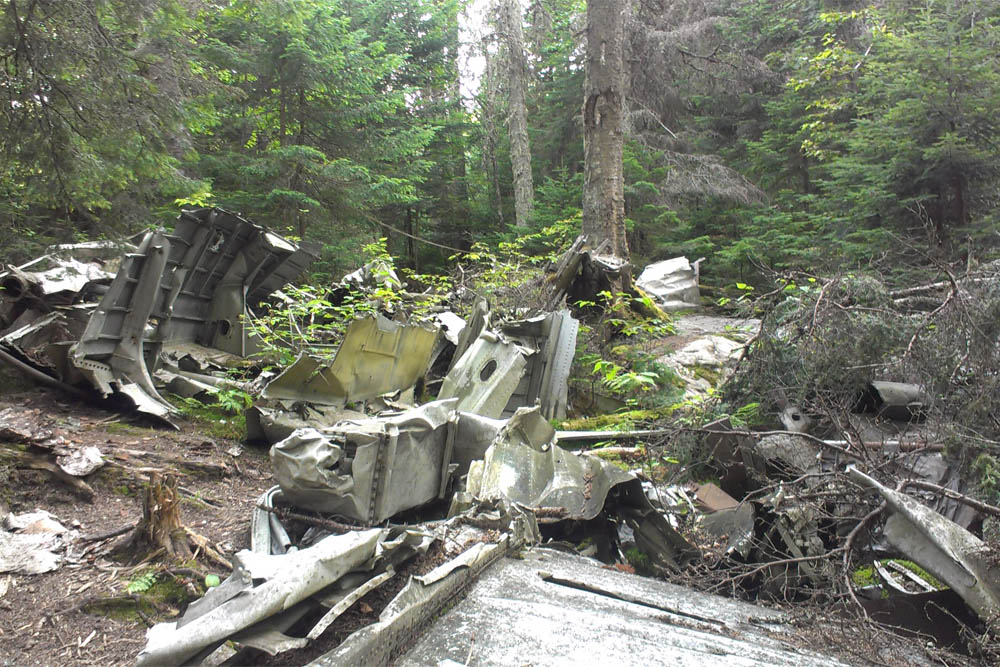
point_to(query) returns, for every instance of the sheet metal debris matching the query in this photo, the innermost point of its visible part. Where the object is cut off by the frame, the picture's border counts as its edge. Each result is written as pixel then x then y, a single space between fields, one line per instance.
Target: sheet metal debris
pixel 943 548
pixel 241 601
pixel 486 376
pixel 551 341
pixel 31 542
pixel 548 607
pixel 195 285
pixel 481 462
pixel 894 400
pixel 673 283
pixel 524 465
pixel 377 356
pixel 258 605
pixel 371 469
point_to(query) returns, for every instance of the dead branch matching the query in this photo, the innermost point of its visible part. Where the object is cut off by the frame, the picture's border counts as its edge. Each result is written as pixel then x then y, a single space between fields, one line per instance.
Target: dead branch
pixel 760 434
pixel 985 508
pixel 849 544
pixel 74 483
pixel 111 533
pixel 319 522
pixel 221 470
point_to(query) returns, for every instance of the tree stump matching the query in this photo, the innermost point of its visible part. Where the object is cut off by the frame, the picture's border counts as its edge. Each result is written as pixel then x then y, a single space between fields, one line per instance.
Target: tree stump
pixel 161 525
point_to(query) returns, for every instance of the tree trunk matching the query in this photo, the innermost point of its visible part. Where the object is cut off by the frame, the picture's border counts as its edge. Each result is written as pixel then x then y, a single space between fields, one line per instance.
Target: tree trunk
pixel 517 117
pixel 603 112
pixel 411 244
pixel 491 133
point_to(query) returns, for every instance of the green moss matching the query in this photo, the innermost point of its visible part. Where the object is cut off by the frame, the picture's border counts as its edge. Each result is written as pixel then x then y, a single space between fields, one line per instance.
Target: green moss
pixel 921 572
pixel 120 610
pixel 11 451
pixel 868 576
pixel 709 374
pixel 154 594
pixel 619 421
pixel 167 590
pixel 637 559
pixel 864 577
pixel 129 429
pixel 613 459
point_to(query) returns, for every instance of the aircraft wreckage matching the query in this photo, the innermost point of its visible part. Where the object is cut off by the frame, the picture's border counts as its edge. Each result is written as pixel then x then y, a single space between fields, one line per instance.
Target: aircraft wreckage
pixel 478 473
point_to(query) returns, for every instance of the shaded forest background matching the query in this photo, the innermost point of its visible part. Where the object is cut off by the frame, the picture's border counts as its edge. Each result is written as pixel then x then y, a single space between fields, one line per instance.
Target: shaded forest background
pixel 794 134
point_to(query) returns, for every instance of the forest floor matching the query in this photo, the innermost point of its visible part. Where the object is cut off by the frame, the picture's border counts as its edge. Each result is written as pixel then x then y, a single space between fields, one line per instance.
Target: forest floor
pixel 82 613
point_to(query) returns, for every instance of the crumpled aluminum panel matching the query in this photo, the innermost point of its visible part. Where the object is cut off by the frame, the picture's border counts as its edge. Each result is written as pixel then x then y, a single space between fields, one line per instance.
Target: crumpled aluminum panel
pixel 942 547
pixel 377 356
pixel 673 283
pixel 261 587
pixel 524 465
pixel 546 377
pixel 369 470
pixel 191 286
pixel 486 376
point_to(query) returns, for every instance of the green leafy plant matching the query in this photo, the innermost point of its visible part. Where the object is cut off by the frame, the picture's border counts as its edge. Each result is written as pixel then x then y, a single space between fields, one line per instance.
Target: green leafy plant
pixel 141 582
pixel 233 401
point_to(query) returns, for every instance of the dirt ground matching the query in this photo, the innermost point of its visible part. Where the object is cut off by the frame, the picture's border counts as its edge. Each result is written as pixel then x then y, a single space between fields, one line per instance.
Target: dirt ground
pixel 58 618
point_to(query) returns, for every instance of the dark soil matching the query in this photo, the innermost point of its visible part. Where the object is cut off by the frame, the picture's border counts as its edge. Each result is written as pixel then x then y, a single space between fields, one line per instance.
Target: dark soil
pixel 63 617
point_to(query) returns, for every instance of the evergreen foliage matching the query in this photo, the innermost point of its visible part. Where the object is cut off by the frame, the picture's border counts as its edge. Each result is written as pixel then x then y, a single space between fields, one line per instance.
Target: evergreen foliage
pixel 812 133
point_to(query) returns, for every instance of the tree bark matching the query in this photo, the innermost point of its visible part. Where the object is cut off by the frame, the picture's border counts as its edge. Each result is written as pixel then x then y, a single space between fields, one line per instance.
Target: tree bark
pixel 603 134
pixel 517 116
pixel 491 133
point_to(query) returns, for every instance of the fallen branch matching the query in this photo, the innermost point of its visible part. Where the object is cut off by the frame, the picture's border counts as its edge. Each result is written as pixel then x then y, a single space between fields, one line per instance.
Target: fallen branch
pixel 221 470
pixel 616 451
pixel 75 483
pixel 112 533
pixel 761 434
pixel 954 495
pixel 849 544
pixel 897 294
pixel 206 548
pixel 95 600
pixel 319 522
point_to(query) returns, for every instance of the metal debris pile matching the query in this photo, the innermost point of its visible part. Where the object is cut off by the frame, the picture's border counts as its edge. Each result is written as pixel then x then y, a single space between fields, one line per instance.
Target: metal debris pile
pixel 794 517
pixel 173 297
pixel 373 479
